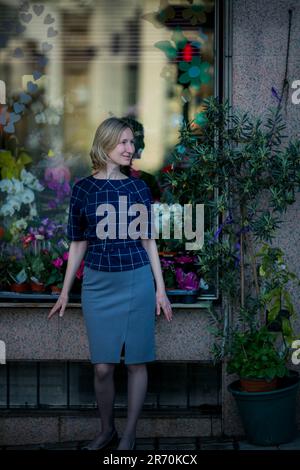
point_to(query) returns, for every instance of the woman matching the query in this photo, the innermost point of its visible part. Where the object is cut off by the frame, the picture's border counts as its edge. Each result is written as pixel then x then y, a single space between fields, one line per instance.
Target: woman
pixel 118 292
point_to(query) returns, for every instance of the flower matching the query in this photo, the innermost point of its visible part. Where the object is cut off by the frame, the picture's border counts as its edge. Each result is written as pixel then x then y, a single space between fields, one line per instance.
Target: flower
pixel 180 272
pixel 188 281
pixel 196 72
pixel 6 186
pixel 58 262
pixel 7 210
pixel 196 14
pixel 27 196
pixel 79 273
pixel 27 177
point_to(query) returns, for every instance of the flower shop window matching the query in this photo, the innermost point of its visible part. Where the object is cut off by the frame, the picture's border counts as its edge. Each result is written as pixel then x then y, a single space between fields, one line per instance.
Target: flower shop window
pixel 53 97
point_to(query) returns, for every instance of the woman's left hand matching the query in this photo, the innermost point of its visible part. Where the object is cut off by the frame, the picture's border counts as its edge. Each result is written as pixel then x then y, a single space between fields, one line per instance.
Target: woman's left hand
pixel 162 302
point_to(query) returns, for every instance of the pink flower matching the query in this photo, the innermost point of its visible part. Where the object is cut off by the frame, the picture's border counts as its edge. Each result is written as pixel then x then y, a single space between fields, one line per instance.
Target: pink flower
pixel 58 262
pixel 59 174
pixel 66 256
pixel 187 281
pixel 79 273
pixel 185 259
pixel 28 239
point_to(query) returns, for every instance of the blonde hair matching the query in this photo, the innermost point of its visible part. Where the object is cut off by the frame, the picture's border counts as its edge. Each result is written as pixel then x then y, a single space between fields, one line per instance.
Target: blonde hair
pixel 106 139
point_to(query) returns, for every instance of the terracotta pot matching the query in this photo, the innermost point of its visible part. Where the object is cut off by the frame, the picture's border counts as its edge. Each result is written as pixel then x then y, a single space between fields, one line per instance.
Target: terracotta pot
pixel 37 287
pixel 258 385
pixel 55 290
pixel 23 287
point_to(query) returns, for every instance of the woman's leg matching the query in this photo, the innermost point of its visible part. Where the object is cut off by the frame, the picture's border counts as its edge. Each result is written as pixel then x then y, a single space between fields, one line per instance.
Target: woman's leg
pixel 137 389
pixel 105 396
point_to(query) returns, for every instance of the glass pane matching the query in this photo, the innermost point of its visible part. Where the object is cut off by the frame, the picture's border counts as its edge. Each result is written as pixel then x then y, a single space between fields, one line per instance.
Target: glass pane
pixel 204 385
pixel 173 385
pixel 65 67
pixel 82 385
pixel 23 385
pixel 53 384
pixel 3 386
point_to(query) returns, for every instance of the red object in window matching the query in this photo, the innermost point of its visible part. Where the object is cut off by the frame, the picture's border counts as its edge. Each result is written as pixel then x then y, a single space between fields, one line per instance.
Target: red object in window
pixel 167 169
pixel 187 53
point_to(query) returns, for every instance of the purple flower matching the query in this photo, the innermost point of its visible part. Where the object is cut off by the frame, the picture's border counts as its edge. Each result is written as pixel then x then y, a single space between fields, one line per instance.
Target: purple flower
pixel 52 204
pixel 188 281
pixel 166 263
pixel 185 259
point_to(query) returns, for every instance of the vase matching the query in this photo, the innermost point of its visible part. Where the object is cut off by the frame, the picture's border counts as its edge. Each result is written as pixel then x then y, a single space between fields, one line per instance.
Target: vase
pixel 269 418
pixel 20 288
pixel 258 385
pixel 37 287
pixel 55 290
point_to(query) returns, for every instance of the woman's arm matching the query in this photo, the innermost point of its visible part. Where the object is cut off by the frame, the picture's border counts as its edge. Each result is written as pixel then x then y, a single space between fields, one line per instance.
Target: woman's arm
pixel 162 300
pixel 76 253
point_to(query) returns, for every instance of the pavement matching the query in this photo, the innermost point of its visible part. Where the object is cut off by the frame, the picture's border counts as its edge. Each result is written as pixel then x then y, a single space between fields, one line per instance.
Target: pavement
pixel 172 443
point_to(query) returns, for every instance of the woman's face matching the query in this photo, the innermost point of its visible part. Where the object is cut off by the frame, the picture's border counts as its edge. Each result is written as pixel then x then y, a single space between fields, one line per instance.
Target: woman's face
pixel 123 152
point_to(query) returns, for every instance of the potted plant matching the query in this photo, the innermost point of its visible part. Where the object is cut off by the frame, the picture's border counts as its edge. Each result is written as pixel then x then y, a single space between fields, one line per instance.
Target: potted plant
pixel 17 275
pixel 56 271
pixel 37 268
pixel 255 175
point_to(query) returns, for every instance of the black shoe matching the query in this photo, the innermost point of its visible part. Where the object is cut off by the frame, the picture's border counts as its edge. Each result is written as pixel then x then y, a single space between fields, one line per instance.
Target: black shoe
pixel 112 439
pixel 132 446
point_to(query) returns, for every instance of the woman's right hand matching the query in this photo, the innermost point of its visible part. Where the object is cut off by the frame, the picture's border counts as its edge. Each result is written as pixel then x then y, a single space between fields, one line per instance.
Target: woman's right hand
pixel 59 306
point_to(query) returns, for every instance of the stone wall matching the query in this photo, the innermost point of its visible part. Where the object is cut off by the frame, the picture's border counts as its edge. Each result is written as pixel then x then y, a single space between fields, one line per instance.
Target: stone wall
pixel 260 35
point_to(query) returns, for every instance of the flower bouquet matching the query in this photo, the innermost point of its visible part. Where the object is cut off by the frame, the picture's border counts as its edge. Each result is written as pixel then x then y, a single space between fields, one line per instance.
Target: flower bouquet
pixel 181 277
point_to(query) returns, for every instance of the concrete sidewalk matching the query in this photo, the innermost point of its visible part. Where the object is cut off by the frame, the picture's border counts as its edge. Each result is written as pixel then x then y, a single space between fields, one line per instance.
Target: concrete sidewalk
pixel 172 443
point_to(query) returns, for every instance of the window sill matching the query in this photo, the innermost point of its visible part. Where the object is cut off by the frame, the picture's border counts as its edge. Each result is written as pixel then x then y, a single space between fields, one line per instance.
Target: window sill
pixel 12 299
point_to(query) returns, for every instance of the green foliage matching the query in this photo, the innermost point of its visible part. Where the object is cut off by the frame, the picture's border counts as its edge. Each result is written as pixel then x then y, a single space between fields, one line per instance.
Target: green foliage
pixel 256 174
pixel 276 281
pixel 253 354
pixel 38 266
pixel 11 166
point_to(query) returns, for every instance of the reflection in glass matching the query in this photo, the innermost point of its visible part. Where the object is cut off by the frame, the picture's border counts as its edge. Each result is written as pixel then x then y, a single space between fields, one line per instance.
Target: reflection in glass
pixel 53 384
pixel 23 385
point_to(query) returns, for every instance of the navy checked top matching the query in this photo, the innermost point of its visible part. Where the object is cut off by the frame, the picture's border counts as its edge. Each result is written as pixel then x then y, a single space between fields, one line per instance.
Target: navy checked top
pixel 94 200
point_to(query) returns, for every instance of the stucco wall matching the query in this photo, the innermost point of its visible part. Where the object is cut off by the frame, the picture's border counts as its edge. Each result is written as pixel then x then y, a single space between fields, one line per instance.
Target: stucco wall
pixel 29 335
pixel 260 34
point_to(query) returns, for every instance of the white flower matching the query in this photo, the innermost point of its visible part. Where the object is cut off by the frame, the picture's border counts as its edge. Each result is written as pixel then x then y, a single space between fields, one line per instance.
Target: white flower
pixel 33 211
pixel 39 237
pixel 7 210
pixel 27 177
pixel 21 224
pixel 36 185
pixel 203 285
pixel 6 186
pixel 27 196
pixel 15 202
pixel 40 118
pixel 18 186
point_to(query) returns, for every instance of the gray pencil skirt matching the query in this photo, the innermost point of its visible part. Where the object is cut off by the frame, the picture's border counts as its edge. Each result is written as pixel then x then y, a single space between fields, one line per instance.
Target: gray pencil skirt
pixel 119 309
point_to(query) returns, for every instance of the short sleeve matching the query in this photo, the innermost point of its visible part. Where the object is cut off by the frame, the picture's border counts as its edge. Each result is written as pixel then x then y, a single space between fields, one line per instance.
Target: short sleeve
pixel 77 221
pixel 147 199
